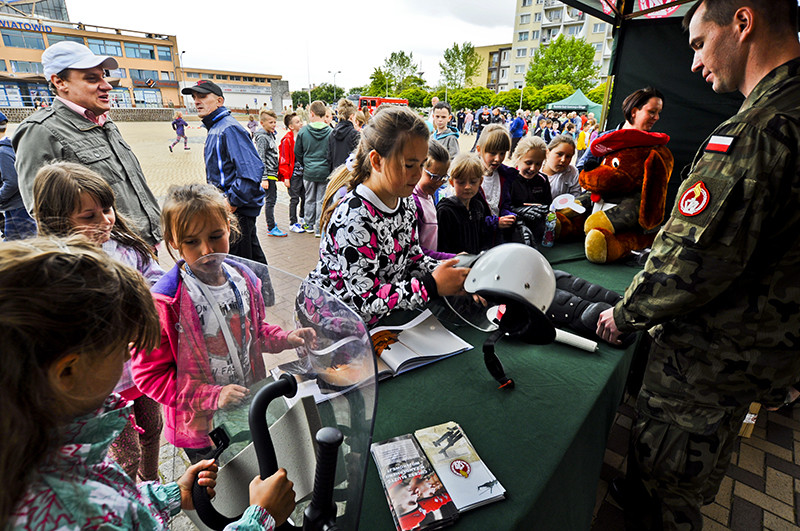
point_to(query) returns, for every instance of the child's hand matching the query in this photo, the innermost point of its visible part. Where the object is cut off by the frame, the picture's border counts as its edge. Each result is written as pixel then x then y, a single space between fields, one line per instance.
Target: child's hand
pixel 207 472
pixel 450 279
pixel 506 221
pixel 287 183
pixel 232 395
pixel 302 336
pixel 275 494
pixel 265 185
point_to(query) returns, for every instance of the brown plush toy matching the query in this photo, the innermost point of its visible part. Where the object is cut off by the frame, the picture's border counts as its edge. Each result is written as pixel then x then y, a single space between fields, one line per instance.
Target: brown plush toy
pixel 625 195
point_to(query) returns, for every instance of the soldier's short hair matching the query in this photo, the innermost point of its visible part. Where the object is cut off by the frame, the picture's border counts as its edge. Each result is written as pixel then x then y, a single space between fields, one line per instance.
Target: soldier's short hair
pixel 781 15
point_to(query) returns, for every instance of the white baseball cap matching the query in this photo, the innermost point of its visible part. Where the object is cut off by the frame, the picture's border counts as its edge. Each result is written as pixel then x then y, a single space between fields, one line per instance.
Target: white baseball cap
pixel 68 54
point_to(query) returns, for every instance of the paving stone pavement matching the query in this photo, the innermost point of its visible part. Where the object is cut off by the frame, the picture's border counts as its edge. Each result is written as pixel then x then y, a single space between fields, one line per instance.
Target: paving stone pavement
pixel 761 490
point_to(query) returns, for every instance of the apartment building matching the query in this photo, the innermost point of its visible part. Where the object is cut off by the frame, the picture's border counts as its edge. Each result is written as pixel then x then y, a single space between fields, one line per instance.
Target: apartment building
pixel 495 67
pixel 538 22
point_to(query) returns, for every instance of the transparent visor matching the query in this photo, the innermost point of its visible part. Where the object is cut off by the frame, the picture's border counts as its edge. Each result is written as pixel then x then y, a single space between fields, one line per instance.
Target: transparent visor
pixel 241 326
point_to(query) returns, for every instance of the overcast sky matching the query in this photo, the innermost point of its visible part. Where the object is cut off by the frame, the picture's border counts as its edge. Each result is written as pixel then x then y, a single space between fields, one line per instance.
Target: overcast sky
pixel 301 38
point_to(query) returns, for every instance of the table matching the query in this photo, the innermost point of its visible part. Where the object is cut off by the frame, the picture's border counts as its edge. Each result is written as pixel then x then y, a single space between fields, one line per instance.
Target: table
pixel 544 440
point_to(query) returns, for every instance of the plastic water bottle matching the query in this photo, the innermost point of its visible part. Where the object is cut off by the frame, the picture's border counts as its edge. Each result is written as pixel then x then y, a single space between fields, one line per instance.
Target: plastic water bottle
pixel 549 230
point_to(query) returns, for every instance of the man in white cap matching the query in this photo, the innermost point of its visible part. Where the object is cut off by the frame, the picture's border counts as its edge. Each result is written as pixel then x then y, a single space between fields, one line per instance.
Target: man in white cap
pixel 77 128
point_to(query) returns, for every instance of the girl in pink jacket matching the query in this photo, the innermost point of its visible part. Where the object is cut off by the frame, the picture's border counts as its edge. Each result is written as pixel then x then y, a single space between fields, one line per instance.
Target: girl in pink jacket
pixel 205 307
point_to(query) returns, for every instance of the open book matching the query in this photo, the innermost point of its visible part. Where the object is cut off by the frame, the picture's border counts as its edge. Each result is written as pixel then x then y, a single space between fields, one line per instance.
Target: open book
pixel 422 340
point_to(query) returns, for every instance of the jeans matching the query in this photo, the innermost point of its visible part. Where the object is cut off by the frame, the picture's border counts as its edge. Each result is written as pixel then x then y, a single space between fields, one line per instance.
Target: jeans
pixel 297 195
pixel 247 245
pixel 315 192
pixel 18 225
pixel 269 203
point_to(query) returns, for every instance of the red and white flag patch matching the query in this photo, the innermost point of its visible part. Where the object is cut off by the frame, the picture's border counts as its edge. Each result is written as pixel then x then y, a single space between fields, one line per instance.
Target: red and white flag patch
pixel 694 200
pixel 719 144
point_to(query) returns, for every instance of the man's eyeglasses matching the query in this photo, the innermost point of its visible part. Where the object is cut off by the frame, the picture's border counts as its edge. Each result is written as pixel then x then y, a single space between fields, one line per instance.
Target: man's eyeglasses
pixel 437 178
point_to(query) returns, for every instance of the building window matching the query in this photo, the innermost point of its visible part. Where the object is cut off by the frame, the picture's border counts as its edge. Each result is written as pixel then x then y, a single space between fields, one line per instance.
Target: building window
pixel 143 75
pixel 167 75
pixel 221 76
pixel 526 3
pixel 537 17
pixel 503 73
pixel 26 67
pixel 519 69
pixel 534 35
pixel 19 39
pixel 504 56
pixel 139 51
pixel 120 97
pixel 261 80
pixel 192 75
pixel 147 97
pixel 525 19
pixel 599 28
pixel 247 78
pixel 52 39
pixel 522 36
pixel 236 78
pixel 104 47
pixel 118 72
pixel 2 65
pixel 519 84
pixel 573 30
pixel 206 76
pixel 598 47
pixel 164 53
pixel 522 52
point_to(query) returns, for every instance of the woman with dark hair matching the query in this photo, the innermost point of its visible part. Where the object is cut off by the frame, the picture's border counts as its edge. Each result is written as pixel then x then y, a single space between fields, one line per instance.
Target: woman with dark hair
pixel 642 109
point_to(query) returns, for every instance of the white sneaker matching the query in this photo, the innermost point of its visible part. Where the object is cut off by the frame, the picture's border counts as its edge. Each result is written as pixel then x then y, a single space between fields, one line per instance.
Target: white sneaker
pixel 296 228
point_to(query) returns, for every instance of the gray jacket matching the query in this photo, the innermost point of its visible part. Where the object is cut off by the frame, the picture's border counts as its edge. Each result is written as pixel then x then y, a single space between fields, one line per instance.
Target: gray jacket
pixel 267 148
pixel 58 133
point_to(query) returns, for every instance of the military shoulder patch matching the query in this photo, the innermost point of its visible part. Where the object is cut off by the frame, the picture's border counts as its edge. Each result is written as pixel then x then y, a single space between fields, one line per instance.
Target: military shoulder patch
pixel 694 200
pixel 720 144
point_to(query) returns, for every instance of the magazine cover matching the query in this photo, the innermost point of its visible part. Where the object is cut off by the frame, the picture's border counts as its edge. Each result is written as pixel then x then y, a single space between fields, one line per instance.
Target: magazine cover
pixel 416 496
pixel 465 476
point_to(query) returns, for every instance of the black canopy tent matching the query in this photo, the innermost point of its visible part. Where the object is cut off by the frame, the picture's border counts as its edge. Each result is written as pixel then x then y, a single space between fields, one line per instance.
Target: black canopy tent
pixel 651 49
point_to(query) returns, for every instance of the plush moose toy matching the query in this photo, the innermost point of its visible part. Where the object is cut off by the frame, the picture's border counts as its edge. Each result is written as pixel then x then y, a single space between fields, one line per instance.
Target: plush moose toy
pixel 625 195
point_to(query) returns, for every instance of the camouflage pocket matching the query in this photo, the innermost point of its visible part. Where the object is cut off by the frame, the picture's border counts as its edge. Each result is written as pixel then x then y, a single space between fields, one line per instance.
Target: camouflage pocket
pixel 692 417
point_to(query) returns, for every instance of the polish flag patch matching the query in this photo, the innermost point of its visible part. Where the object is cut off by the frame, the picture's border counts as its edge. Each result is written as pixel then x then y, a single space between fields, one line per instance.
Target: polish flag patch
pixel 719 144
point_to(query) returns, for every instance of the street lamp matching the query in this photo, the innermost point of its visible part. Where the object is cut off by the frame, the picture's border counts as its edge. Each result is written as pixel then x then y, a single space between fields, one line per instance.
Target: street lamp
pixel 334 82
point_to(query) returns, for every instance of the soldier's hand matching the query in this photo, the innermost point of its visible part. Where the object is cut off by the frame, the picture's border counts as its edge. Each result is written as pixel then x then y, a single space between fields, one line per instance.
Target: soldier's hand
pixel 607 329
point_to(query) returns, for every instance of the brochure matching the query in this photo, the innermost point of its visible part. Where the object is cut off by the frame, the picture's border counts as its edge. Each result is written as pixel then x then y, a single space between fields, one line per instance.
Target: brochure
pixel 423 340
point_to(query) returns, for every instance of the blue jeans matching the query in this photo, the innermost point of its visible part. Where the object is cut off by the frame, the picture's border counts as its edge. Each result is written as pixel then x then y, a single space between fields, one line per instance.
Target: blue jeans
pixel 19 225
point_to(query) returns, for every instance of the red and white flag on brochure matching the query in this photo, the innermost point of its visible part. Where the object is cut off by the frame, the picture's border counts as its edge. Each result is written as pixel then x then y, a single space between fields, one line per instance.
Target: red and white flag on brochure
pixel 719 144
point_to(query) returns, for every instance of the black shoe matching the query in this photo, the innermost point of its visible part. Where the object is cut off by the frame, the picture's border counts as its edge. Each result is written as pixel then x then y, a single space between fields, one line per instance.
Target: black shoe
pixel 170 149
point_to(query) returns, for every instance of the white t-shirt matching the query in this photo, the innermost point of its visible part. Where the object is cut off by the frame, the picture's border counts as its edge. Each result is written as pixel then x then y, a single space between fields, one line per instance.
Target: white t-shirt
pixel 222 364
pixel 491 188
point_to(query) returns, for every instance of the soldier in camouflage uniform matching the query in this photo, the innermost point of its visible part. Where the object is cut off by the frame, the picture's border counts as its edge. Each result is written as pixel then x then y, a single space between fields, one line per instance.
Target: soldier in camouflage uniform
pixel 720 293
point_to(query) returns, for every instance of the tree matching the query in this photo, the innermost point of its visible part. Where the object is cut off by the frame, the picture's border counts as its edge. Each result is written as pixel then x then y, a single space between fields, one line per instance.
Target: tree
pixel 508 99
pixel 378 84
pixel 415 96
pixel 299 97
pixel 597 94
pixel 460 64
pixel 564 61
pixel 399 67
pixel 325 92
pixel 471 98
pixel 550 94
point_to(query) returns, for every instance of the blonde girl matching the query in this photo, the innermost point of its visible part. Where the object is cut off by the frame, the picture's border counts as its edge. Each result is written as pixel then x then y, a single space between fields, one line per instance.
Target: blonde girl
pixel 370 254
pixel 210 296
pixel 563 176
pixel 493 146
pixel 533 187
pixel 69 199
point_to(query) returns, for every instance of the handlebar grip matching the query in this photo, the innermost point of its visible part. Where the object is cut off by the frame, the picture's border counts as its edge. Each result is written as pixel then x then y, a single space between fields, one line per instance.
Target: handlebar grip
pixel 286 386
pixel 321 513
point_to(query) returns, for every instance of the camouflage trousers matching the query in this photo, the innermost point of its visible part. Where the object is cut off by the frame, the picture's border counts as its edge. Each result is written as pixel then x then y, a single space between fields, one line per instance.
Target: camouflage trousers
pixel 689 411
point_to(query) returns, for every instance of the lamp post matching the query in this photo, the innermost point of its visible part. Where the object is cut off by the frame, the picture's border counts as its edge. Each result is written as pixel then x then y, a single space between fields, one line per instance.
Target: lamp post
pixel 183 75
pixel 334 82
pixel 521 90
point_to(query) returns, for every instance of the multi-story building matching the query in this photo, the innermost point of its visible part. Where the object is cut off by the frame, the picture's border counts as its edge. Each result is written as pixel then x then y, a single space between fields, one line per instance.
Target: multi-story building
pixel 495 66
pixel 538 22
pixel 149 73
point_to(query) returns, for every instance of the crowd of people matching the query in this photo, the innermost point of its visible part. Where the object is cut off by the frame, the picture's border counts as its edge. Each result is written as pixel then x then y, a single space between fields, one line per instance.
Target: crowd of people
pixel 90 323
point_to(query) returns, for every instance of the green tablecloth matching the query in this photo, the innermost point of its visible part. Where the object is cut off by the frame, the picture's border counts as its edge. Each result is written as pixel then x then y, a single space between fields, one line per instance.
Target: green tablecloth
pixel 544 440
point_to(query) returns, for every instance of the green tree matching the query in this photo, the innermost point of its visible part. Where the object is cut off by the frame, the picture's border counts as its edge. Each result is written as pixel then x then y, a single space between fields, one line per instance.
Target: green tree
pixel 508 99
pixel 470 98
pixel 460 64
pixel 550 94
pixel 398 67
pixel 325 92
pixel 415 96
pixel 299 97
pixel 529 95
pixel 564 61
pixel 379 84
pixel 597 93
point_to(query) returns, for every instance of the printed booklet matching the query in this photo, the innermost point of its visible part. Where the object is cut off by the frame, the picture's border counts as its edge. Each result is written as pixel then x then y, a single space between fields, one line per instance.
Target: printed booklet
pixel 423 340
pixel 432 476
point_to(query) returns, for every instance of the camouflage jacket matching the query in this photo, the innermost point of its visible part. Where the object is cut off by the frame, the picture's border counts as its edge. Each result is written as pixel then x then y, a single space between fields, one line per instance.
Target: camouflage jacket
pixel 724 271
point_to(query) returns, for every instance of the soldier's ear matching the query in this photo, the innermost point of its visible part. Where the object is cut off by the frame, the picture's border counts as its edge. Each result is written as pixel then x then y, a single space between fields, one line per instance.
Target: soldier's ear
pixel 743 18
